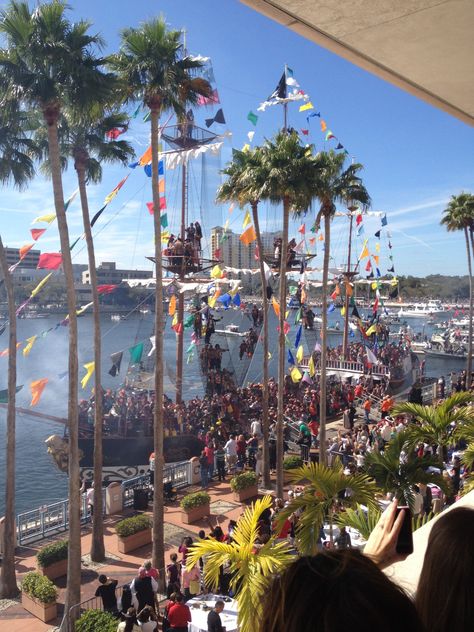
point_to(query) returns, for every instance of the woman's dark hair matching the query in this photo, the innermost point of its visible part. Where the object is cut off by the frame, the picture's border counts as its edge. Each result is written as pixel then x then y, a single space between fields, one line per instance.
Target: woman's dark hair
pixel 445 595
pixel 130 620
pixel 337 591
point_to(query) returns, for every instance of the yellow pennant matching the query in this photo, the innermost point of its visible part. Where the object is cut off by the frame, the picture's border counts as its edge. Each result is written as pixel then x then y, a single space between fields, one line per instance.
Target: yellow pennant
pixel 247 220
pixel 377 247
pixel 296 374
pixel 89 367
pixel 216 272
pixel 50 217
pixel 41 284
pixel 343 311
pixel 28 347
pixel 311 367
pixel 306 106
pixel 300 354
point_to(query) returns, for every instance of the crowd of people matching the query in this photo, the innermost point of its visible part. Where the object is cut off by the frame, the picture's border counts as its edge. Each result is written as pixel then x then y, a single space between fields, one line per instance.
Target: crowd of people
pixel 184 255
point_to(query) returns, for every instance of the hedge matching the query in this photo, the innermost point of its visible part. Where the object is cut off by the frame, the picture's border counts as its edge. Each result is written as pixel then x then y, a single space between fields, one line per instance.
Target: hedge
pixel 129 526
pixel 95 621
pixel 292 462
pixel 195 500
pixel 51 553
pixel 40 587
pixel 243 481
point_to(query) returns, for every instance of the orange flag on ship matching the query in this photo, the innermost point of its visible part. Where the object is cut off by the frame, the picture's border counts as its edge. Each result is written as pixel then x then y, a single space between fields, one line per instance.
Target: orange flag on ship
pixel 37 388
pixel 248 236
pixel 172 305
pixel 276 306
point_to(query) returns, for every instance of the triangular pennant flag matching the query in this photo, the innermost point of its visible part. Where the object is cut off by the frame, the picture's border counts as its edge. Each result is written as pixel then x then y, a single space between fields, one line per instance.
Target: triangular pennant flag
pixel 291 359
pixel 146 157
pixel 377 234
pixel 323 125
pixel 216 272
pixel 247 220
pixel 113 193
pixel 24 250
pixel 106 289
pixel 153 346
pixel 306 378
pixel 50 217
pixel 97 215
pixel 40 285
pixel 253 118
pixel 136 353
pixel 311 367
pixel 365 250
pixel 371 357
pixel 248 236
pixel 305 132
pixel 329 135
pixel 392 269
pixel 236 300
pixel 50 261
pixel 37 232
pixel 306 106
pixel 172 305
pixel 300 354
pixel 377 247
pixel 331 308
pixel 339 146
pixel 298 336
pixel 276 306
pixel 37 388
pixel 313 114
pixel 355 312
pixel 116 359
pixel 302 229
pixel 384 220
pixel 30 342
pixel 368 266
pixel 296 375
pixel 280 90
pixel 89 367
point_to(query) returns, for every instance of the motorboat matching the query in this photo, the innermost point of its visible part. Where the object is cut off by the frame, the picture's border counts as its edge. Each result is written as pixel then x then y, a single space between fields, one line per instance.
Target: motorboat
pixel 422 310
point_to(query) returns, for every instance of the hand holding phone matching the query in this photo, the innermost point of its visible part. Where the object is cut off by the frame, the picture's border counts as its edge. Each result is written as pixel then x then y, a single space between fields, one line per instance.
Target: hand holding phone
pixel 381 546
pixel 405 536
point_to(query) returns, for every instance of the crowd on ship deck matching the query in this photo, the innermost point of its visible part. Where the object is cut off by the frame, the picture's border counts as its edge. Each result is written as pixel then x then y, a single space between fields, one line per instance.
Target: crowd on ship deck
pixel 184 254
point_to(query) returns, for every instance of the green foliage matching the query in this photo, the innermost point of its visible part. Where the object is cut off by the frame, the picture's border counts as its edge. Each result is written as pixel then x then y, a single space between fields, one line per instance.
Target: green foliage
pixel 195 500
pixel 363 521
pixel 292 462
pixel 39 587
pixel 129 526
pixel 51 553
pixel 243 481
pixel 398 469
pixel 251 573
pixel 320 498
pixel 95 620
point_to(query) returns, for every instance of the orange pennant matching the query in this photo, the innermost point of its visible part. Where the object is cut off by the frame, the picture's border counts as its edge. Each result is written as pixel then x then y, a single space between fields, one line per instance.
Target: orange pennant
pixel 248 236
pixel 37 388
pixel 276 306
pixel 172 305
pixel 24 250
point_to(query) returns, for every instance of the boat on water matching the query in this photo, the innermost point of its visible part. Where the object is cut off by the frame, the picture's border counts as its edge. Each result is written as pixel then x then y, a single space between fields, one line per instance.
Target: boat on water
pixel 422 310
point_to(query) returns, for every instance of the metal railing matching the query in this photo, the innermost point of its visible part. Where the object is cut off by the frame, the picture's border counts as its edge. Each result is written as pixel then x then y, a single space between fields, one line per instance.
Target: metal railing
pixel 348 365
pixel 179 474
pixel 47 520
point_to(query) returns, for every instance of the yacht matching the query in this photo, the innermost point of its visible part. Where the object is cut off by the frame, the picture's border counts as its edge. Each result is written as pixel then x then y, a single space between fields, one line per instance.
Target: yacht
pixel 422 310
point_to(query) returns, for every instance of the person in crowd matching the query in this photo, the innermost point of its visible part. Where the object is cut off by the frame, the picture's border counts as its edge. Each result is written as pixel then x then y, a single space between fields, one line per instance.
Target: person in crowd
pixel 173 575
pixel 145 589
pixel 214 623
pixel 191 581
pixel 106 591
pixel 343 540
pixel 220 462
pixel 179 615
pixel 147 620
pixel 445 594
pixel 129 624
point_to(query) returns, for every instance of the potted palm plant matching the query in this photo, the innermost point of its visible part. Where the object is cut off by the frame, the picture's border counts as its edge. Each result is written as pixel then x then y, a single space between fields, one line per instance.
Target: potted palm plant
pixel 290 463
pixel 132 533
pixel 52 559
pixel 38 596
pixel 195 507
pixel 244 486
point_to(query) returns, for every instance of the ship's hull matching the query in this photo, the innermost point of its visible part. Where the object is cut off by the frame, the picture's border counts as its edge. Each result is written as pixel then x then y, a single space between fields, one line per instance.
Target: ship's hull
pixel 124 458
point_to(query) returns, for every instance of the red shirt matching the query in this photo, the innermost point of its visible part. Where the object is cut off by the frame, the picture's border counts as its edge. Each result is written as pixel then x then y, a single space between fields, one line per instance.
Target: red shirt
pixel 179 615
pixel 210 455
pixel 314 427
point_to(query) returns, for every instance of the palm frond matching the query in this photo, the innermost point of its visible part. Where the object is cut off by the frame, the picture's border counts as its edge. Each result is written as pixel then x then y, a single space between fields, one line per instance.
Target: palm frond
pixel 362 521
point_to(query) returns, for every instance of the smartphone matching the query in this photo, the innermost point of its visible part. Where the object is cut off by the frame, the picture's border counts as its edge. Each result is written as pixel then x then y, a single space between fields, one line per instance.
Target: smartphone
pixel 405 537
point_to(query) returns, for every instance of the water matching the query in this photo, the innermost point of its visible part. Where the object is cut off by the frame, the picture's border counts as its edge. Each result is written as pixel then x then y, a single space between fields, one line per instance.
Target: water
pixel 37 479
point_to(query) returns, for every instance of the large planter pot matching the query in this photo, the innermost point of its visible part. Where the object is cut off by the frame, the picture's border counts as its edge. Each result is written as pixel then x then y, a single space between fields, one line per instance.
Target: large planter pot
pixel 188 516
pixel 245 494
pixel 45 612
pixel 55 570
pixel 134 541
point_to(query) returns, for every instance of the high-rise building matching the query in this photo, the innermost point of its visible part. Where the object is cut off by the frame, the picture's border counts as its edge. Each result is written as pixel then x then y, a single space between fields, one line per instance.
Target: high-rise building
pixel 30 260
pixel 108 273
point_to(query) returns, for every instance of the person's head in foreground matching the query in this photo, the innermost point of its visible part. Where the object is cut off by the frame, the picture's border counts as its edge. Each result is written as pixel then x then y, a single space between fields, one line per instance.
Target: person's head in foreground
pixel 337 591
pixel 445 595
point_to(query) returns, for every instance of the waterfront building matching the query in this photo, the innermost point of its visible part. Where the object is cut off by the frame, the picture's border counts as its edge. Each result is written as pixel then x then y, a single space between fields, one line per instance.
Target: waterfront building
pixel 109 274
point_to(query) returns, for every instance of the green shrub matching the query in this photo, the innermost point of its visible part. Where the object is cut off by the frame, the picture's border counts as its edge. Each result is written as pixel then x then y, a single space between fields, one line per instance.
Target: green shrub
pixel 243 481
pixel 292 462
pixel 51 553
pixel 195 500
pixel 39 587
pixel 129 526
pixel 95 620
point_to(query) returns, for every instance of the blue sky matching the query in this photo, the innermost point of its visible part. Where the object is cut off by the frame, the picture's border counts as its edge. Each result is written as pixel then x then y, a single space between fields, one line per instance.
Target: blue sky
pixel 414 155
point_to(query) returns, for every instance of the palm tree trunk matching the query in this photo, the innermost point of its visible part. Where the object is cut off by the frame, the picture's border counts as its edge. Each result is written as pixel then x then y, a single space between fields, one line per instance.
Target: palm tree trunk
pixel 73 592
pixel 8 586
pixel 471 298
pixel 97 544
pixel 281 349
pixel 158 552
pixel 265 424
pixel 324 317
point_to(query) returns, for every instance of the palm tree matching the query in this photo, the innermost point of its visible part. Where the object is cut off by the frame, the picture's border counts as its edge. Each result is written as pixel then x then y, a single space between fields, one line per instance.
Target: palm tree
pixel 459 215
pixel 151 65
pixel 398 469
pixel 49 62
pixel 324 489
pixel 438 425
pixel 251 565
pixel 335 184
pixel 246 178
pixel 16 164
pixel 291 179
pixel 82 136
pixel 8 586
